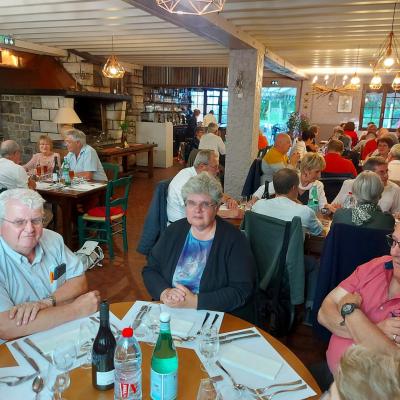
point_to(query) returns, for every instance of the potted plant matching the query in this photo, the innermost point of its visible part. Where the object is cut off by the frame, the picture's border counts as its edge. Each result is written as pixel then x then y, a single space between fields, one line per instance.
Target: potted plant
pixel 124 137
pixel 297 124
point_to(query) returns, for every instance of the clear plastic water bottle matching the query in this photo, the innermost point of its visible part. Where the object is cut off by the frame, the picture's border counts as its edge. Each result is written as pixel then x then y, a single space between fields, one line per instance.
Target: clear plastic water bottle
pixel 128 367
pixel 349 201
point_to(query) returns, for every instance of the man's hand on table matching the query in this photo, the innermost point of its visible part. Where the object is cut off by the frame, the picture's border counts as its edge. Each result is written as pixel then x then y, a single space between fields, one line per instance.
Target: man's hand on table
pixel 231 203
pixel 25 312
pixel 333 207
pixel 87 303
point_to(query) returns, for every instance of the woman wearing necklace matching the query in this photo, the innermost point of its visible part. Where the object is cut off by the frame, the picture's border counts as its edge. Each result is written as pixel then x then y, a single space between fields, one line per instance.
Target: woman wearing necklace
pixel 201 261
pixel 367 190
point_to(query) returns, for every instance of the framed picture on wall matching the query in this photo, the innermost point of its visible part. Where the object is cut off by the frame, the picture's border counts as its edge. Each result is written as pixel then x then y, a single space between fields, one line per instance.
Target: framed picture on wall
pixel 345 104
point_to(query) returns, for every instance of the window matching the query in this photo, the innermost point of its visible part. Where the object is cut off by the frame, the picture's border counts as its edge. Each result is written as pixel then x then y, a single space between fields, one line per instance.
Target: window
pixel 382 107
pixel 211 99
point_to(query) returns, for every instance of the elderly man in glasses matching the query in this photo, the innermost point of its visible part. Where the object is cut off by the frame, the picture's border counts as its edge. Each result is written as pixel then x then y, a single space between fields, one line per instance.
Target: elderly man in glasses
pixel 42 283
pixel 365 307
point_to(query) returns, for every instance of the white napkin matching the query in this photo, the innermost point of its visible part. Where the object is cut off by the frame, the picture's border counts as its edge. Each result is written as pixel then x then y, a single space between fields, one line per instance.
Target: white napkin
pixel 43 185
pixel 180 327
pixel 49 343
pixel 263 367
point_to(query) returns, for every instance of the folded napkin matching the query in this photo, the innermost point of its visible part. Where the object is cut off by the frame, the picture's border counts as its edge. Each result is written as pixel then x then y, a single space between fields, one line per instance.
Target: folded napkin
pixel 263 367
pixel 181 327
pixel 48 344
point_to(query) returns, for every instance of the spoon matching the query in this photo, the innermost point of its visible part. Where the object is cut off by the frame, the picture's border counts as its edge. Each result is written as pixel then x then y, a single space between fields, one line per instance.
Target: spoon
pixel 37 385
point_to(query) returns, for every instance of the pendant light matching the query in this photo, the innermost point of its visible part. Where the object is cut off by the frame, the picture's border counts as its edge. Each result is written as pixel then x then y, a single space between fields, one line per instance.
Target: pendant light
pixel 112 68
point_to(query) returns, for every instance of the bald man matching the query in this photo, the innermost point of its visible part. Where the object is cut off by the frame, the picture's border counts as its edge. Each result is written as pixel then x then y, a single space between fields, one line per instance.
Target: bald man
pixel 276 158
pixel 12 175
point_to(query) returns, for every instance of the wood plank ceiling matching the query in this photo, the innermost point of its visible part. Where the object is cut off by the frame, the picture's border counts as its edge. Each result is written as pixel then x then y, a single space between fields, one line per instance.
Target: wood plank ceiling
pixel 307 33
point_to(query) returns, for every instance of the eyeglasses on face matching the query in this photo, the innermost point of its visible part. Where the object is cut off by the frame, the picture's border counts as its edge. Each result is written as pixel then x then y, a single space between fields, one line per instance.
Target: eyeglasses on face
pixel 392 241
pixel 203 205
pixel 21 223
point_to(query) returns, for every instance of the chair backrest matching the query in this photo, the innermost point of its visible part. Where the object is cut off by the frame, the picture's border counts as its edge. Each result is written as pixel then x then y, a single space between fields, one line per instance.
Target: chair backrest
pixel 346 247
pixel 192 157
pixel 261 153
pixel 111 170
pixel 120 186
pixel 252 182
pixel 333 183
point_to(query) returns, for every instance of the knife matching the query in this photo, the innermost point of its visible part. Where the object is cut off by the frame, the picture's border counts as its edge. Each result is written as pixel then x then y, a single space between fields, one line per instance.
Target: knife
pixel 29 342
pixel 245 332
pixel 216 316
pixel 239 338
pixel 138 320
pixel 30 360
pixel 205 320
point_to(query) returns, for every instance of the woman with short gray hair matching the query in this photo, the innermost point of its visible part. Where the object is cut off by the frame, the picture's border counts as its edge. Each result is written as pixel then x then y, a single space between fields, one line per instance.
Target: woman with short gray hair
pixel 367 191
pixel 201 261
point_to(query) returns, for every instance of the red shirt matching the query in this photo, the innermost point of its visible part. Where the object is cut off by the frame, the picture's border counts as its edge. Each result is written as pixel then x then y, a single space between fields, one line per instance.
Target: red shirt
pixel 354 137
pixel 262 142
pixel 371 280
pixel 336 164
pixel 369 147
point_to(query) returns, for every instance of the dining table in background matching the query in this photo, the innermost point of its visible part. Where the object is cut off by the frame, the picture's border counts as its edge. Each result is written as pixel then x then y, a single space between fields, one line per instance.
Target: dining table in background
pixel 67 201
pixel 189 373
pixel 110 152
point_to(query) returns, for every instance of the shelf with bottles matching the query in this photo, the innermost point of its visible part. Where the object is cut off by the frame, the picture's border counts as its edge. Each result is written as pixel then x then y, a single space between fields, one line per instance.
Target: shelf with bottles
pixel 176 118
pixel 167 96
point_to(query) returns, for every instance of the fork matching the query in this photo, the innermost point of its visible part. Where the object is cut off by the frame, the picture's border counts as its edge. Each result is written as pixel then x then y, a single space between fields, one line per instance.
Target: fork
pixel 183 339
pixel 264 389
pixel 272 395
pixel 17 380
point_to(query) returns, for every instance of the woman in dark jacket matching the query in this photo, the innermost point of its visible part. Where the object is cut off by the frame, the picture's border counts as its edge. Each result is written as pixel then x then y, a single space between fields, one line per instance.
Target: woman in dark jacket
pixel 201 262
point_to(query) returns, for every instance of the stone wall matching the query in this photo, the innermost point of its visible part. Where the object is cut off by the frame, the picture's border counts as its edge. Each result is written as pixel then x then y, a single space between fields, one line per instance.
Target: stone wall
pixel 134 86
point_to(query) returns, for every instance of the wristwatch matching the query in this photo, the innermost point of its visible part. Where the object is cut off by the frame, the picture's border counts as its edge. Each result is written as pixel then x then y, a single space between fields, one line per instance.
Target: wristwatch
pixel 347 309
pixel 52 300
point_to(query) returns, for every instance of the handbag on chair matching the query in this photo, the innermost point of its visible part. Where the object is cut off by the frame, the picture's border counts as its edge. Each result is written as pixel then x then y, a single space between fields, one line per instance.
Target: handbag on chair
pixel 90 254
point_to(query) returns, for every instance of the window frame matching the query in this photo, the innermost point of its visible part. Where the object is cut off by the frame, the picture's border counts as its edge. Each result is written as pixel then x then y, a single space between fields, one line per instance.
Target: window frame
pixel 218 106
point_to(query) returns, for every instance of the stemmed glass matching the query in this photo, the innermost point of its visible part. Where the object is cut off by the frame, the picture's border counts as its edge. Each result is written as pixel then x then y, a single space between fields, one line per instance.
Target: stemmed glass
pixel 209 345
pixel 64 357
pixel 87 332
pixel 206 390
pixel 153 322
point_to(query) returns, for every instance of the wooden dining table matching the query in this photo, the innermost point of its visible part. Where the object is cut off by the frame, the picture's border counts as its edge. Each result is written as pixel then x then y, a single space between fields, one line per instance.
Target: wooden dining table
pixel 189 373
pixel 67 200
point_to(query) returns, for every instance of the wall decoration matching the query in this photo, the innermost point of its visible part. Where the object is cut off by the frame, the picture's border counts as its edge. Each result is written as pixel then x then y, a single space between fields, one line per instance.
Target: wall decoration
pixel 345 104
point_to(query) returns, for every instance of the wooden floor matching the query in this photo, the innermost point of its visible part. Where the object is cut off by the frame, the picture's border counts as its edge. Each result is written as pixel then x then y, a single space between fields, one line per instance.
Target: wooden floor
pixel 120 280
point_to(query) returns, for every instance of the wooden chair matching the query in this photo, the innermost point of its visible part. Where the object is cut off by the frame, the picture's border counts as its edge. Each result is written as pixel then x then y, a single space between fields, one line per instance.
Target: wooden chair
pixel 111 170
pixel 110 220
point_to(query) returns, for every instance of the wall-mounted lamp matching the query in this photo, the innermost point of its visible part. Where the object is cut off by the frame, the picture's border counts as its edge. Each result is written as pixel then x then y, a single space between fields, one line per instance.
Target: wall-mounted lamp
pixel 66 117
pixel 239 85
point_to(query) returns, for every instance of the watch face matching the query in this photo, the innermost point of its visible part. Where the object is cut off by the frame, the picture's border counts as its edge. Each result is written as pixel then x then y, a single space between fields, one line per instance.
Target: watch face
pixel 347 308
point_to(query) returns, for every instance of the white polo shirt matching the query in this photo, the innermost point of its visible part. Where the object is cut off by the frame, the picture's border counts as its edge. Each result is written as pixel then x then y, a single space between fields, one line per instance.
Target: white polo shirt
pixel 209 141
pixel 175 204
pixel 12 176
pixel 394 170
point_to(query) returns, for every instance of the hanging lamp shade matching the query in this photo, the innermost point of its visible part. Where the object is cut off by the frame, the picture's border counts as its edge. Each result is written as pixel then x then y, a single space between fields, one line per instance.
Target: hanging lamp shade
pixel 193 7
pixel 396 83
pixel 112 68
pixel 376 82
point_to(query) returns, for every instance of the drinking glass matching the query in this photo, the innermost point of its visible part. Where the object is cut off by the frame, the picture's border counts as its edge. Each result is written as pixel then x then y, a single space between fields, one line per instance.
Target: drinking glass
pixel 64 357
pixel 243 202
pixel 229 392
pixel 39 171
pixel 153 322
pixel 87 332
pixel 206 390
pixel 71 174
pixel 209 345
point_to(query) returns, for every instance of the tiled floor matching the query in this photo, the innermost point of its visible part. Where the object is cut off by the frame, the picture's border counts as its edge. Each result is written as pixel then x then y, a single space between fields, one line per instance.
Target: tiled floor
pixel 120 280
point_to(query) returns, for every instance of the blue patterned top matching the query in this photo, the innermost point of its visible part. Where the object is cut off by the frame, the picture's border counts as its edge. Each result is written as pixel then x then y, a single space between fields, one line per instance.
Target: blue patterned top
pixel 191 263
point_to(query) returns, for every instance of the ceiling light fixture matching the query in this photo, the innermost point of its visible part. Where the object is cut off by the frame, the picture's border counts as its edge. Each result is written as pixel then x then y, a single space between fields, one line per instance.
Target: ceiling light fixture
pixel 193 7
pixel 112 68
pixel 355 79
pixel 387 59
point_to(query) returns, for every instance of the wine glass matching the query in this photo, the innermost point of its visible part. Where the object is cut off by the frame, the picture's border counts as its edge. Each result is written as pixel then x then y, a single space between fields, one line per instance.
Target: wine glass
pixel 209 345
pixel 64 357
pixel 87 332
pixel 206 390
pixel 228 392
pixel 153 322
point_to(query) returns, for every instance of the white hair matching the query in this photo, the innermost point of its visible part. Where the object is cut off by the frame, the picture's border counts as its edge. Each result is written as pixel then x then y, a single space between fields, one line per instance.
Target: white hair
pixel 76 135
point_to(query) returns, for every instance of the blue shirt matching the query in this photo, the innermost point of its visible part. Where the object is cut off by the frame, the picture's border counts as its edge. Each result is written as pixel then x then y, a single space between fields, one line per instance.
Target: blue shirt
pixel 87 161
pixel 22 281
pixel 191 263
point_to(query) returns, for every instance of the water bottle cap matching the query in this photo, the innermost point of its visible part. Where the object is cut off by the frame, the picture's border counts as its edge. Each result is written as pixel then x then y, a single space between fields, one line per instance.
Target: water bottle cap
pixel 127 332
pixel 165 317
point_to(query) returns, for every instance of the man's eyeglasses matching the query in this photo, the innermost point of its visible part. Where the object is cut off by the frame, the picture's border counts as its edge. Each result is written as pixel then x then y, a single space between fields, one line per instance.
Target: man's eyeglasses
pixel 392 241
pixel 203 205
pixel 21 223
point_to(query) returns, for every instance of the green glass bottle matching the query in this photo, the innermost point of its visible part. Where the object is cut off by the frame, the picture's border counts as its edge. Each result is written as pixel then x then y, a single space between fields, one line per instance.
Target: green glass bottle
pixel 164 364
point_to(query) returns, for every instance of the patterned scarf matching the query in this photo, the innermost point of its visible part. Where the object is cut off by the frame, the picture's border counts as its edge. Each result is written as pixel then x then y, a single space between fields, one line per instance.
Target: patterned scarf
pixel 361 213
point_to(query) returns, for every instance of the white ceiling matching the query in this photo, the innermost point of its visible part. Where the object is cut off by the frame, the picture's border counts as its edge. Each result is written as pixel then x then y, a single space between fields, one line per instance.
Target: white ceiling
pixel 307 33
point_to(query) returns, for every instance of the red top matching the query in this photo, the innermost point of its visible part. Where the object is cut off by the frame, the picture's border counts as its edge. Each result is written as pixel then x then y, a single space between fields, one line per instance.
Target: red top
pixel 336 164
pixel 262 142
pixel 369 147
pixel 354 137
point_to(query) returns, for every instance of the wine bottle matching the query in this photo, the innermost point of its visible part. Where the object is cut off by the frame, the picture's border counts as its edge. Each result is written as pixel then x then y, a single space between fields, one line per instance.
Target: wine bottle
pixel 164 364
pixel 103 352
pixel 56 171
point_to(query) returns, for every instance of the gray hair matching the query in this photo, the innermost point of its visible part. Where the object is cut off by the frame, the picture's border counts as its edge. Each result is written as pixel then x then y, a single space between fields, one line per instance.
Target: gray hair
pixel 395 152
pixel 27 197
pixel 368 188
pixel 76 135
pixel 212 128
pixel 203 157
pixel 373 162
pixel 203 183
pixel 8 148
pixel 364 374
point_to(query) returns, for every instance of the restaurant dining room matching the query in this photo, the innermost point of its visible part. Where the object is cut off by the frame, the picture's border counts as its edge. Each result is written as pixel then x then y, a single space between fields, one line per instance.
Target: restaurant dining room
pixel 144 141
